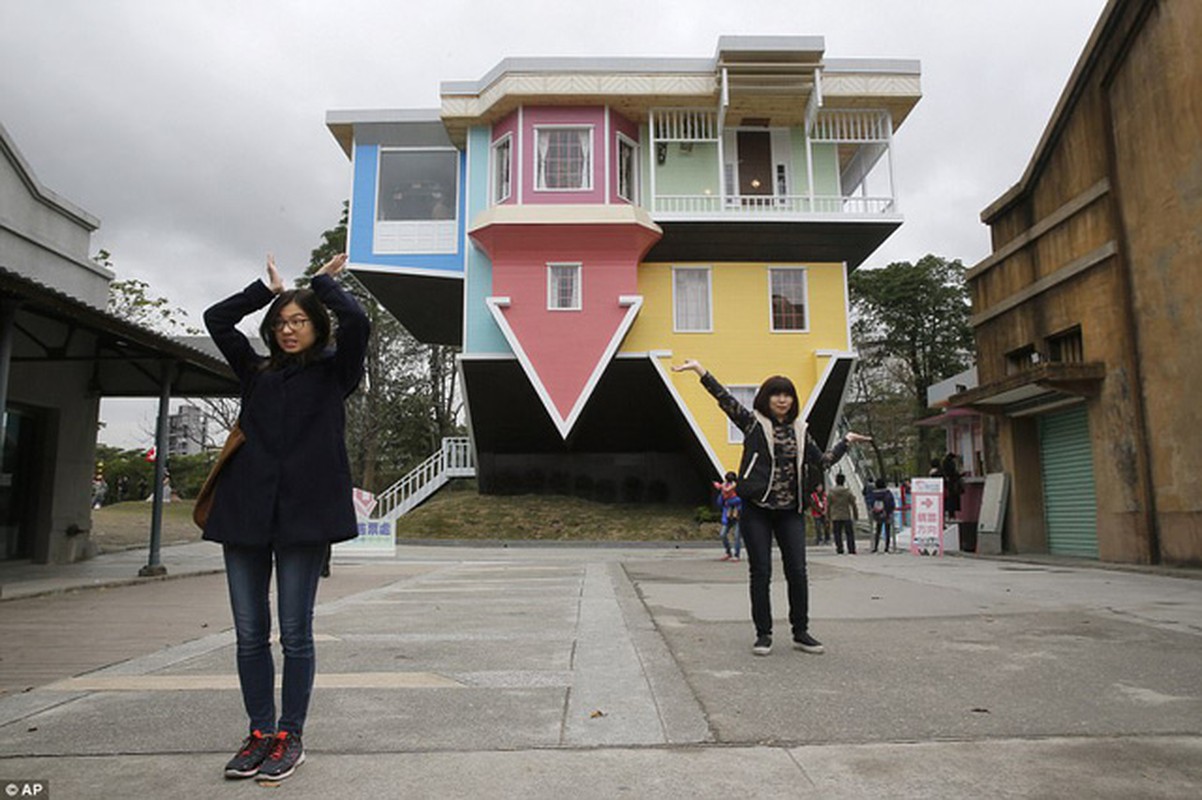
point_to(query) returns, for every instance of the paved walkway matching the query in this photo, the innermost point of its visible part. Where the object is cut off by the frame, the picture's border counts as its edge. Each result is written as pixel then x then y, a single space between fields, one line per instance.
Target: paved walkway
pixel 620 672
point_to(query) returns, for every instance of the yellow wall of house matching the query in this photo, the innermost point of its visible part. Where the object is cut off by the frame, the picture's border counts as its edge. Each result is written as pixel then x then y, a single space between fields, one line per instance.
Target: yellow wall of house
pixel 741 348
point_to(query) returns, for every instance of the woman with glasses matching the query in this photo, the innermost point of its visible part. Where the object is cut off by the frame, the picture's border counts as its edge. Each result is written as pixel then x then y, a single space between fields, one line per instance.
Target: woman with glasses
pixel 285 496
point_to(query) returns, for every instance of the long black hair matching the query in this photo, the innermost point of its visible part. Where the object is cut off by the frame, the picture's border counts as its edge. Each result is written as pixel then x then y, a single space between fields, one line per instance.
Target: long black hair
pixel 318 316
pixel 777 384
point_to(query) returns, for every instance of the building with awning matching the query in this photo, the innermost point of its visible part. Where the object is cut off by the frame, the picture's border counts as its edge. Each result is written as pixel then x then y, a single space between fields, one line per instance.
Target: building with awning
pixel 1085 315
pixel 60 353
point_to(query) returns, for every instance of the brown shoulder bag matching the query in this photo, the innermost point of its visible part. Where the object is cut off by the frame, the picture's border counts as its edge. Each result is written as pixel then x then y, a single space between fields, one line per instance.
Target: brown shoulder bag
pixel 204 500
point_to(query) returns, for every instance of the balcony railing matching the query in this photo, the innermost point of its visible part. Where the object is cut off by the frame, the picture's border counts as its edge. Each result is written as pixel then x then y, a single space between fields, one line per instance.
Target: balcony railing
pixel 761 205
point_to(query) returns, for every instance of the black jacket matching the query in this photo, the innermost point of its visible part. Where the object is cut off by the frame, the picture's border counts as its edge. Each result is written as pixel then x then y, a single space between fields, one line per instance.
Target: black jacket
pixel 759 457
pixel 290 483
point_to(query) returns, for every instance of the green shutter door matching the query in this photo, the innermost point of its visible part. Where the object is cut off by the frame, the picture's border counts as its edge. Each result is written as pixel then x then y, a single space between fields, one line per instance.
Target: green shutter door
pixel 1070 506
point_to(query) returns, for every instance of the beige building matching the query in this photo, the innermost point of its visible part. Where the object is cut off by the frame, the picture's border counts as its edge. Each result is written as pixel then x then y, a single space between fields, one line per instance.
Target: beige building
pixel 1086 313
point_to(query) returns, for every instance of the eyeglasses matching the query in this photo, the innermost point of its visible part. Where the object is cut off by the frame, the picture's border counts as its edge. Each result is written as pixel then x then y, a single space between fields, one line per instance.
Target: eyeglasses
pixel 293 324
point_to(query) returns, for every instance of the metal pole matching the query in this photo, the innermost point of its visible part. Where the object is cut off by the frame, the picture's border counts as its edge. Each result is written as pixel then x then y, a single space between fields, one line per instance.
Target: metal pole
pixel 153 566
pixel 8 313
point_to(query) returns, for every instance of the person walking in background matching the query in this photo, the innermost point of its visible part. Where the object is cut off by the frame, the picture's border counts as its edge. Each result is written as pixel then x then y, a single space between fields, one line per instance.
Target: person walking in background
pixel 732 505
pixel 953 486
pixel 100 489
pixel 285 496
pixel 882 507
pixel 841 507
pixel 777 452
pixel 818 512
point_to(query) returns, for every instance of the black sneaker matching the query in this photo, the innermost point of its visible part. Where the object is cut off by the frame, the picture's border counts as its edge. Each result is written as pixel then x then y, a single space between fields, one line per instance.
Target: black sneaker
pixel 808 644
pixel 245 763
pixel 762 646
pixel 287 753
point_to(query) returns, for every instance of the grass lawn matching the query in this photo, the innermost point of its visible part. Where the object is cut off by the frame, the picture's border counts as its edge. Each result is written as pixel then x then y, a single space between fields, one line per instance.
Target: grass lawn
pixel 121 526
pixel 464 514
pixel 452 514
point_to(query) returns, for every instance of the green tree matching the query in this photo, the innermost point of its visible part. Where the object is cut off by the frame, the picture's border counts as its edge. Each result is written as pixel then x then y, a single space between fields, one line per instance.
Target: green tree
pixel 130 300
pixel 912 330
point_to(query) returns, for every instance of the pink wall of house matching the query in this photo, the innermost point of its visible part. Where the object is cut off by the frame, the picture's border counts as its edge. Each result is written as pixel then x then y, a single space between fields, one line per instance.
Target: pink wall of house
pixel 565 346
pixel 590 116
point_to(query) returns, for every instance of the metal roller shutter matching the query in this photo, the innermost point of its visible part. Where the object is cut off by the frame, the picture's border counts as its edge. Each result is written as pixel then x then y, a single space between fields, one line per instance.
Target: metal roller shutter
pixel 1069 499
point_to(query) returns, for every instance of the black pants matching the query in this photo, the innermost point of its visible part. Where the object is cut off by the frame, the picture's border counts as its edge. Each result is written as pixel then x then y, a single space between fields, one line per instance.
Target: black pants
pixel 845 526
pixel 759 526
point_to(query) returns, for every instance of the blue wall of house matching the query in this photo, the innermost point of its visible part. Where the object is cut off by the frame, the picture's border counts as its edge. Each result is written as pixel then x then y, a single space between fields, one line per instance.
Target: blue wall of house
pixel 481 334
pixel 363 218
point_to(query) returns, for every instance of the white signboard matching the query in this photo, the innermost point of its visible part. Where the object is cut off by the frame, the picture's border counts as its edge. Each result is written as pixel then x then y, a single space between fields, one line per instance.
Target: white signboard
pixel 376 537
pixel 927 530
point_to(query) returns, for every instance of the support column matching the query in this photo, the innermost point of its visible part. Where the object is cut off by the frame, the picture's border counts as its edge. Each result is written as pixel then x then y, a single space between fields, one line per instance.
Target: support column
pixel 8 313
pixel 153 565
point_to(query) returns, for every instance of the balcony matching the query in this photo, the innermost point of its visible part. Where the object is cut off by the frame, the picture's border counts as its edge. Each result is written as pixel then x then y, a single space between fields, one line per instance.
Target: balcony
pixel 708 206
pixel 818 186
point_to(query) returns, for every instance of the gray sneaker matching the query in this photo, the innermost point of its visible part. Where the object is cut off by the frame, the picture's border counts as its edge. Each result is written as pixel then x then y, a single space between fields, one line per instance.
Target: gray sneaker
pixel 285 756
pixel 808 644
pixel 246 762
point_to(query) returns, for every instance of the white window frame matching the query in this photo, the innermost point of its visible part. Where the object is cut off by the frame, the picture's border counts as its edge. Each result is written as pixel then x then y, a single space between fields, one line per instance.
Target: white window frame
pixel 539 172
pixel 709 300
pixel 506 142
pixel 805 290
pixel 424 236
pixel 623 139
pixel 745 394
pixel 578 285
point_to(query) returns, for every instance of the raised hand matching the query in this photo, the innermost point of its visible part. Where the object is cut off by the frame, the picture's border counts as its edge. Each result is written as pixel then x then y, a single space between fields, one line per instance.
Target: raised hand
pixel 334 266
pixel 274 282
pixel 689 364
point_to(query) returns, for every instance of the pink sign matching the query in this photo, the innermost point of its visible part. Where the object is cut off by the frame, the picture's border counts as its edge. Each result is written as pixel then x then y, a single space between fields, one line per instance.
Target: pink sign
pixel 926 537
pixel 364 501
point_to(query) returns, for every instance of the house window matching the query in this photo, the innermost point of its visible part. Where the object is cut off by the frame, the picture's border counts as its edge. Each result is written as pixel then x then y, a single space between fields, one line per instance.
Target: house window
pixel 417 185
pixel 746 396
pixel 1067 347
pixel 691 300
pixel 502 167
pixel 1021 359
pixel 563 287
pixel 788 297
pixel 627 170
pixel 564 159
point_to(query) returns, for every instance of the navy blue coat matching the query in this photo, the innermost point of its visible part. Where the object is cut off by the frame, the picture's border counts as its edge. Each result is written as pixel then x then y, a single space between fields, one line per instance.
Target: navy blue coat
pixel 290 483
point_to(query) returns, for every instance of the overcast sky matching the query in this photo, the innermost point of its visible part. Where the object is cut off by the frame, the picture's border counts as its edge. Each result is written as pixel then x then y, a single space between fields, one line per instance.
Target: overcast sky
pixel 195 129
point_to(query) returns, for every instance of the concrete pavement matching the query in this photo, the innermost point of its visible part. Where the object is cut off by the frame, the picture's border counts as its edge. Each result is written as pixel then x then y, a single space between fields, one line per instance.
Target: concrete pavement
pixel 625 672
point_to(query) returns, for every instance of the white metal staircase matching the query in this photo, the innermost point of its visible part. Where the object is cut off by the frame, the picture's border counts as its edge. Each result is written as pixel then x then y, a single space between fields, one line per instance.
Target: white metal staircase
pixel 453 460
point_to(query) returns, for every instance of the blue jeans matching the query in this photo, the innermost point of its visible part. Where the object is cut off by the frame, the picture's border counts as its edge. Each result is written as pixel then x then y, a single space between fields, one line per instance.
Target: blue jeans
pixel 726 535
pixel 759 526
pixel 248 572
pixel 881 527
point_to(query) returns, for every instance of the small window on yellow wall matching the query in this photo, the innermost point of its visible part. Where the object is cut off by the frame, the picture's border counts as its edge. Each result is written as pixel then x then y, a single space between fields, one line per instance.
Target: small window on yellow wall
pixel 746 396
pixel 787 294
pixel 691 300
